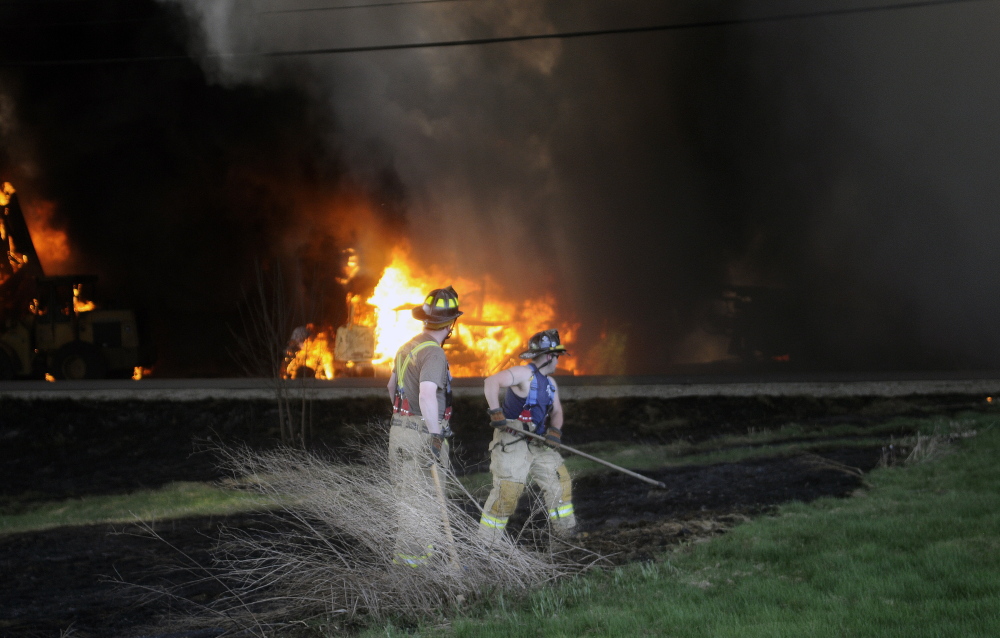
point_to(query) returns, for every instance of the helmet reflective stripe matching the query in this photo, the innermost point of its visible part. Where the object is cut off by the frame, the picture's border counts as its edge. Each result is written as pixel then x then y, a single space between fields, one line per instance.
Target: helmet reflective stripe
pixel 492 522
pixel 440 306
pixel 562 511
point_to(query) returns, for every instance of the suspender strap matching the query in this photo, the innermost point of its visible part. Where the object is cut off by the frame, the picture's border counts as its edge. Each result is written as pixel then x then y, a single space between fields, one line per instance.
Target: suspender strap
pixel 532 399
pixel 402 404
pixel 401 367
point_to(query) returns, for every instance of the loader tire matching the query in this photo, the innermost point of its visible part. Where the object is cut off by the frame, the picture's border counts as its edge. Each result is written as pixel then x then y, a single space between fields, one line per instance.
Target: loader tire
pixel 305 372
pixel 7 370
pixel 79 360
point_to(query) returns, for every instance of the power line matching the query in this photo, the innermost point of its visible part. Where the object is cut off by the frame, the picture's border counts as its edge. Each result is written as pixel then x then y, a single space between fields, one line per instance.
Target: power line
pixel 917 4
pixel 620 31
pixel 14 26
pixel 360 6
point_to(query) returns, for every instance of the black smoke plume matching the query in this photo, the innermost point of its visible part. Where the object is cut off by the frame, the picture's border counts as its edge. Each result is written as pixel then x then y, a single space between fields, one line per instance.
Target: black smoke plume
pixel 170 186
pixel 831 180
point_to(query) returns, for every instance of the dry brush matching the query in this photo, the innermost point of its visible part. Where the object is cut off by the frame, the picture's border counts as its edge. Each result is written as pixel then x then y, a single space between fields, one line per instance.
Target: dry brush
pixel 326 549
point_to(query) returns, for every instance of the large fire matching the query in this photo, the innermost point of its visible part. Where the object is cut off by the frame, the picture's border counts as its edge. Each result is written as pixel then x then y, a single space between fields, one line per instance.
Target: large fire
pixel 315 353
pixel 488 337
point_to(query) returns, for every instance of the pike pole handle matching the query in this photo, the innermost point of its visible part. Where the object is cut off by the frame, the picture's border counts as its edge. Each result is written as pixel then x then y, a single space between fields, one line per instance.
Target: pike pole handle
pixel 591 458
pixel 443 503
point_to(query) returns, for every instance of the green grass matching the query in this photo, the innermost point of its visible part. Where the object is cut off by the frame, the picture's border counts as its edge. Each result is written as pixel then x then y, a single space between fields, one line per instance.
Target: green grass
pixel 171 501
pixel 918 554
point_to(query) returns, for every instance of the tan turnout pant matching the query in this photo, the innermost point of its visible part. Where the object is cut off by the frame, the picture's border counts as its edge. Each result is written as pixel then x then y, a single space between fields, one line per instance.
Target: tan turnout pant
pixel 418 505
pixel 512 462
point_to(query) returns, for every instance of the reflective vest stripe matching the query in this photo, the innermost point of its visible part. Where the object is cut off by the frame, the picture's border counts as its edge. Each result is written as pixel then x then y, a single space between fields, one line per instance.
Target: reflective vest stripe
pixel 402 404
pixel 401 368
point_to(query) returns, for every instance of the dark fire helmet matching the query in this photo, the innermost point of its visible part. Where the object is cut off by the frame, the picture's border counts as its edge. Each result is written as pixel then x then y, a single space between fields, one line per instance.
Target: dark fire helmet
pixel 544 342
pixel 439 308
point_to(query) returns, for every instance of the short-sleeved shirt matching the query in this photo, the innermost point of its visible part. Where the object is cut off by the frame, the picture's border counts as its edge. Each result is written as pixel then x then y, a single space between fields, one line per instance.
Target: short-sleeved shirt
pixel 428 364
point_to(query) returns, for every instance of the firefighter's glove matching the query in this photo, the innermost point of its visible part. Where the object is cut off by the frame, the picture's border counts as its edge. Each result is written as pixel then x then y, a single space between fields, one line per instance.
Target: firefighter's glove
pixel 553 436
pixel 437 442
pixel 497 419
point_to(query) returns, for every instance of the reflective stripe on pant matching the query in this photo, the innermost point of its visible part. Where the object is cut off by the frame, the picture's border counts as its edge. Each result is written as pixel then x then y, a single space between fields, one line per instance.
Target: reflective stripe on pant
pixel 418 514
pixel 512 462
pixel 412 560
pixel 562 512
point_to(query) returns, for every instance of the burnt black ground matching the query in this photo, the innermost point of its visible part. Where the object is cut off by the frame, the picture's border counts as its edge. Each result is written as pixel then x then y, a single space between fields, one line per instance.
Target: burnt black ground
pixel 65 578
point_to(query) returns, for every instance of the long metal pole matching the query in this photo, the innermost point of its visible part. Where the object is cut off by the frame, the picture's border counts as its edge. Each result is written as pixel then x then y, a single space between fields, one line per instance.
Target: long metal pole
pixel 590 458
pixel 443 504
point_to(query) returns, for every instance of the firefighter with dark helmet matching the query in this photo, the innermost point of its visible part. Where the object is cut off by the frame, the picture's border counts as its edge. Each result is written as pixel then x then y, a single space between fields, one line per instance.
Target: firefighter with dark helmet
pixel 420 390
pixel 531 404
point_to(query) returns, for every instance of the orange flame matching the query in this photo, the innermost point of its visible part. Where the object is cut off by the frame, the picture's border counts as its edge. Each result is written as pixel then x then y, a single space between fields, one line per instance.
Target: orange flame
pixel 316 354
pixel 487 338
pixel 81 305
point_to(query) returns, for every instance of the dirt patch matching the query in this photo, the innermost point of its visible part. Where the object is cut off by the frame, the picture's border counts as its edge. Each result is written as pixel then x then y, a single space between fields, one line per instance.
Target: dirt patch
pixel 628 521
pixel 69 580
pixel 65 579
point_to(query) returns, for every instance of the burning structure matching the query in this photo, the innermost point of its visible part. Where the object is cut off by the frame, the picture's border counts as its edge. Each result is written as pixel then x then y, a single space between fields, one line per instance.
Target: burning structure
pixel 489 336
pixel 48 325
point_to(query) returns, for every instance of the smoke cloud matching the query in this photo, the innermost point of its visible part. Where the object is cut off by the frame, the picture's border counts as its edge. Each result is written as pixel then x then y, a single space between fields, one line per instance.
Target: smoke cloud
pixel 841 169
pixel 171 186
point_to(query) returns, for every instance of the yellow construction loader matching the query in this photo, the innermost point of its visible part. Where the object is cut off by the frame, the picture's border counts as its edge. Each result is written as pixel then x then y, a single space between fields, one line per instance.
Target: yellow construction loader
pixel 48 326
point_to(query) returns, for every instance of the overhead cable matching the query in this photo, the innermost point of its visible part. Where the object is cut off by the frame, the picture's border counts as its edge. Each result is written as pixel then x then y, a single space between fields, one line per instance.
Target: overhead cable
pixel 917 4
pixel 396 3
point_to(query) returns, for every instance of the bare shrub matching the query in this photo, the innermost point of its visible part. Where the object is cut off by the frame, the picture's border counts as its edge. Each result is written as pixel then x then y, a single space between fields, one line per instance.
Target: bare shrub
pixel 924 447
pixel 327 548
pixel 268 314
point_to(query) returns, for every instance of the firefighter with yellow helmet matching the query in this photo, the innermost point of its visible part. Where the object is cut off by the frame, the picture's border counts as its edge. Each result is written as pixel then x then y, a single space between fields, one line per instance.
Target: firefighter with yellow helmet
pixel 531 404
pixel 420 390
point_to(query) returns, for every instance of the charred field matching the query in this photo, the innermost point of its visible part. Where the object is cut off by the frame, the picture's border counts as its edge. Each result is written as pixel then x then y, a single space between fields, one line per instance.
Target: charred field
pixel 69 578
